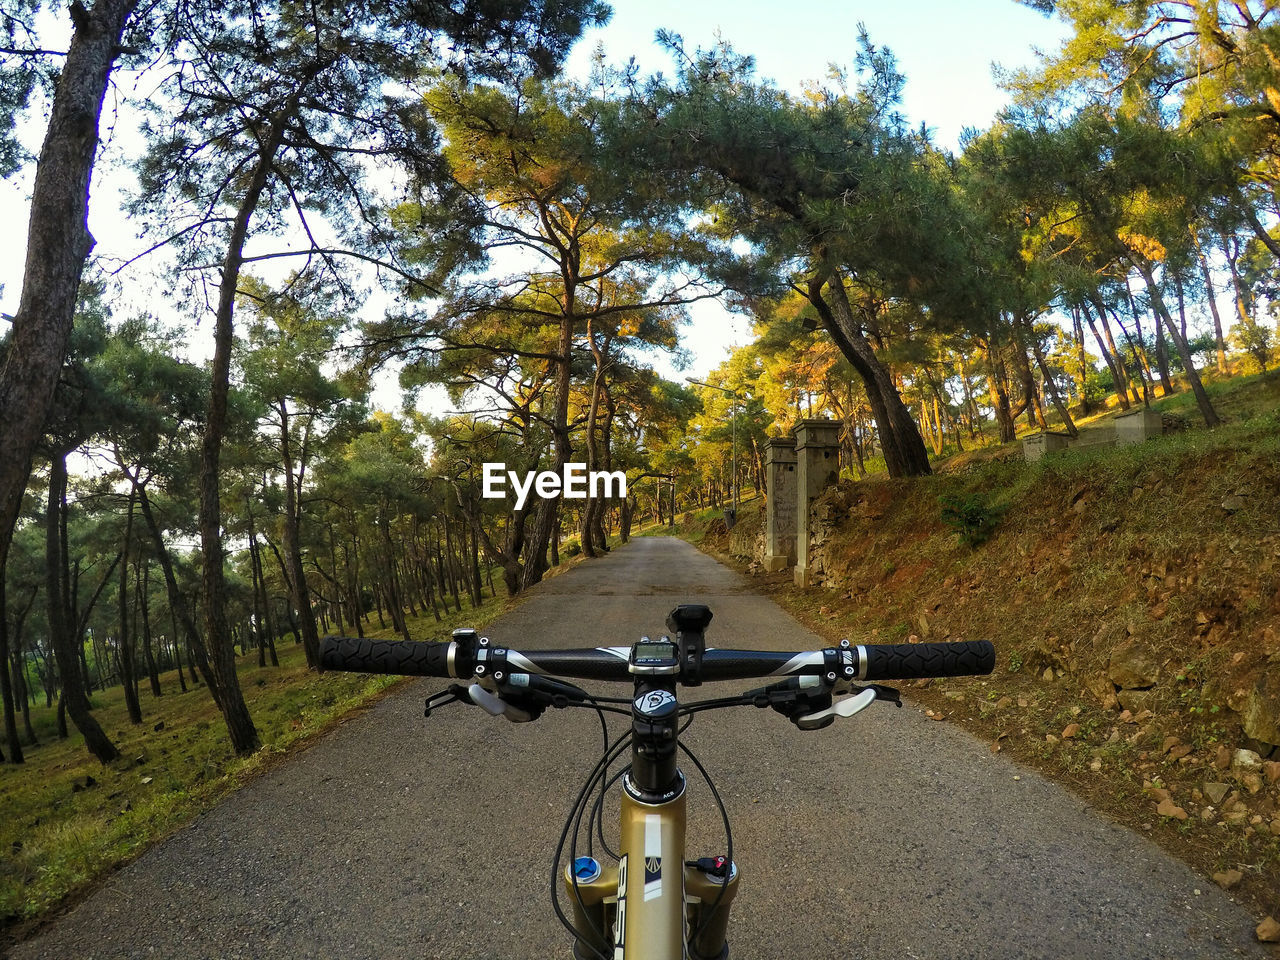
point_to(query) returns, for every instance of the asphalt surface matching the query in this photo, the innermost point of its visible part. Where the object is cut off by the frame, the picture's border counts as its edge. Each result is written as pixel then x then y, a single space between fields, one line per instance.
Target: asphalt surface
pixel 886 835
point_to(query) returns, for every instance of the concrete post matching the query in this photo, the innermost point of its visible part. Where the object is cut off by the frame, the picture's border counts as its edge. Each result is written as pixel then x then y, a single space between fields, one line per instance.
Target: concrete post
pixel 1137 426
pixel 817 467
pixel 1040 445
pixel 780 515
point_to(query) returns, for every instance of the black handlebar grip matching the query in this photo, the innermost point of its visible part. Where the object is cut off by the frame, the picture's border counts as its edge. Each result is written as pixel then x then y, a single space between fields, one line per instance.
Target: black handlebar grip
pixel 909 661
pixel 408 657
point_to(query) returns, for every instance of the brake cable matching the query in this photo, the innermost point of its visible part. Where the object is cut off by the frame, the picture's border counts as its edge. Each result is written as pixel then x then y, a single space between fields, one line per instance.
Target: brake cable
pixel 597 813
pixel 612 752
pixel 728 837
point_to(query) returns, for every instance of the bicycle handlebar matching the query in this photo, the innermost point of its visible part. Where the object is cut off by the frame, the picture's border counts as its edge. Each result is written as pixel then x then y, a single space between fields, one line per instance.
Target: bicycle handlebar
pixel 901 661
pixel 912 661
pixel 403 657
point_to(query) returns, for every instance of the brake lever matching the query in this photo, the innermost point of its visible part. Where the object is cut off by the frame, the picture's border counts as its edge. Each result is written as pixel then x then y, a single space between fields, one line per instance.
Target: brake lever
pixel 456 693
pixel 887 694
pixel 841 708
pixel 492 703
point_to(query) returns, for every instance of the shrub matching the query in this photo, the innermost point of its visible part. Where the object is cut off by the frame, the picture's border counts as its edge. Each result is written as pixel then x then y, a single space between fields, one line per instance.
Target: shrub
pixel 970 515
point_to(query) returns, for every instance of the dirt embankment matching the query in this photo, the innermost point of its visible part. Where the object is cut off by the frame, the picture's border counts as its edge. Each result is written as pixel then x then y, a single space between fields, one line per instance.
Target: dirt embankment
pixel 1134 599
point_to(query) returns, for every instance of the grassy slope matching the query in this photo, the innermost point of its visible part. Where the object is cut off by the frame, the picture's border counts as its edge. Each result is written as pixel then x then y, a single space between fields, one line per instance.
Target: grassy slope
pixel 1095 549
pixel 58 836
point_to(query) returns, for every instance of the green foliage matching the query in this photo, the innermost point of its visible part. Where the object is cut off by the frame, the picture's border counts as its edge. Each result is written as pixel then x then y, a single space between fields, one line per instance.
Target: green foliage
pixel 18 79
pixel 972 515
pixel 1255 340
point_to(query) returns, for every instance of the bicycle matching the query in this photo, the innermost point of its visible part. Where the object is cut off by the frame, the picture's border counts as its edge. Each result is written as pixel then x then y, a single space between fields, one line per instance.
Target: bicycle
pixel 652 903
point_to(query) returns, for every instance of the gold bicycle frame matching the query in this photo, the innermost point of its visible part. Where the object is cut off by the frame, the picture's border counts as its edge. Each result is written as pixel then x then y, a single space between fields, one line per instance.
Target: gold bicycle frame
pixel 651 901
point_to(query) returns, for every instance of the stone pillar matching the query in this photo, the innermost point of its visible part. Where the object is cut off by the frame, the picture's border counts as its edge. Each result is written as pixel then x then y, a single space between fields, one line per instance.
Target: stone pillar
pixel 817 467
pixel 780 515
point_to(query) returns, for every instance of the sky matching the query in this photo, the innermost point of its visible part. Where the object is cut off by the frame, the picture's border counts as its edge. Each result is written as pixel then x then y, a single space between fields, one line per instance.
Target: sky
pixel 945 48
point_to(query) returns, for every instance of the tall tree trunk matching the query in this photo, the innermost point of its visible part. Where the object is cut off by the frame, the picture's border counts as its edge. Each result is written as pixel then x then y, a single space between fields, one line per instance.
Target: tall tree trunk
pixel 1144 368
pixel 900 441
pixel 937 422
pixel 1114 363
pixel 257 591
pixel 391 588
pixel 7 685
pixel 606 464
pixel 999 393
pixel 1052 387
pixel 293 545
pixel 589 530
pixel 58 242
pixel 927 432
pixel 589 438
pixel 1126 381
pixel 350 562
pixel 1162 356
pixel 74 698
pixel 128 670
pixel 70 596
pixel 22 691
pixel 198 653
pixel 1163 347
pixel 447 565
pixel 235 712
pixel 557 530
pixel 1219 340
pixel 26 696
pixel 176 644
pixel 430 581
pixel 1259 230
pixel 856 441
pixel 269 627
pixel 141 569
pixel 477 594
pixel 546 514
pixel 1031 396
pixel 240 727
pixel 333 578
pixel 1210 415
pixel 1085 407
pixel 1230 247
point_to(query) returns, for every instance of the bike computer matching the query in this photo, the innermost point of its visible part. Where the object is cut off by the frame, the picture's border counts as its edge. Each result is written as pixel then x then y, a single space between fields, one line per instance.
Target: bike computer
pixel 654 657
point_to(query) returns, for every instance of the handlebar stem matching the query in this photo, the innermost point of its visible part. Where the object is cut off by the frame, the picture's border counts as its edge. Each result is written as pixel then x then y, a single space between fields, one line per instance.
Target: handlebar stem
pixel 654 717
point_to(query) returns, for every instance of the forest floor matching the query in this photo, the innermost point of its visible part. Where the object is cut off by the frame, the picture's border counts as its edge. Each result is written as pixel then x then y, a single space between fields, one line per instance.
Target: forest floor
pixel 1133 595
pixel 69 820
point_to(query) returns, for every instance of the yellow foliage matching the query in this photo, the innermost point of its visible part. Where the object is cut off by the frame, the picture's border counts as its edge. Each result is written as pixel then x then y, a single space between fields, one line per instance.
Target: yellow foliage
pixel 1149 247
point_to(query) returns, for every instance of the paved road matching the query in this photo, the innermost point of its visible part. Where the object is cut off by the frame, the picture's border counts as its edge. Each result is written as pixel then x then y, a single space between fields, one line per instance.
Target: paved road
pixel 885 836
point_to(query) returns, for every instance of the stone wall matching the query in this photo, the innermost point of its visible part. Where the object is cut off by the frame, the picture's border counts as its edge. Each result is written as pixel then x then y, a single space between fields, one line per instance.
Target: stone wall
pixel 747 540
